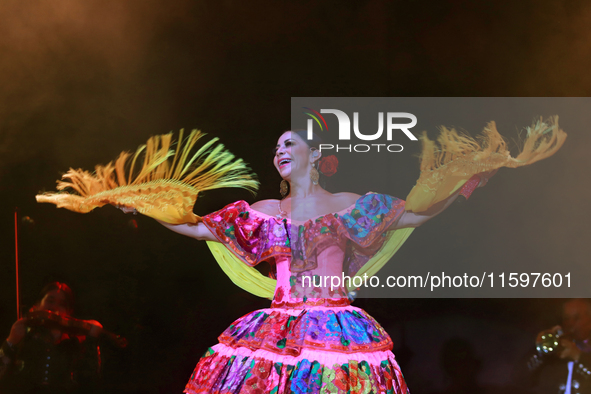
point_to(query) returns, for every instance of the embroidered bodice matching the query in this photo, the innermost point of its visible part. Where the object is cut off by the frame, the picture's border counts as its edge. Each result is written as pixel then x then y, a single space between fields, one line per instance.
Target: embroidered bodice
pixel 309 257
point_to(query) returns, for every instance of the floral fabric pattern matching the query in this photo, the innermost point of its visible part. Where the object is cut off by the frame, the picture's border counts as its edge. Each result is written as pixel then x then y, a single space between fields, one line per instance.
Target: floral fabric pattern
pixel 252 238
pixel 372 214
pixel 259 375
pixel 343 331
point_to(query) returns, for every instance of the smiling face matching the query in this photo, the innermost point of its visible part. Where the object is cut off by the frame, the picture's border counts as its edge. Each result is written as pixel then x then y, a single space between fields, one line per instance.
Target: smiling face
pixel 293 156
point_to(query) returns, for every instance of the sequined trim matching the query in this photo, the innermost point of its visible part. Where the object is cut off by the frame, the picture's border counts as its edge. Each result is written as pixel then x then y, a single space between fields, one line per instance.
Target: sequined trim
pixel 321 302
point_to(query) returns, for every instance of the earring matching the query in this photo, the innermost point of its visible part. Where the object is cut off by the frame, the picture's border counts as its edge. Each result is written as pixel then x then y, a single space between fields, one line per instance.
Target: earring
pixel 283 188
pixel 314 175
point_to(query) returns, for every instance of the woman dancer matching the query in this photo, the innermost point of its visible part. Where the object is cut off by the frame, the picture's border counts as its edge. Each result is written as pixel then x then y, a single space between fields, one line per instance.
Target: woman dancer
pixel 311 340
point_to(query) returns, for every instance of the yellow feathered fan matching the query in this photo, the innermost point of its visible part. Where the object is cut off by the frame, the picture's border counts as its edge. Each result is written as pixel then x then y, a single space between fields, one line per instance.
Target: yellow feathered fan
pixel 166 186
pixel 445 168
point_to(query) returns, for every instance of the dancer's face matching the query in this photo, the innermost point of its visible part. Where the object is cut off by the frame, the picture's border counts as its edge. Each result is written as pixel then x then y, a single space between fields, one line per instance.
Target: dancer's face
pixel 293 156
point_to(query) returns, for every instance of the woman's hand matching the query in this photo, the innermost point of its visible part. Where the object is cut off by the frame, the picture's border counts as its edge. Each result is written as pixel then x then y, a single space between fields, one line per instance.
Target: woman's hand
pixel 127 209
pixel 485 176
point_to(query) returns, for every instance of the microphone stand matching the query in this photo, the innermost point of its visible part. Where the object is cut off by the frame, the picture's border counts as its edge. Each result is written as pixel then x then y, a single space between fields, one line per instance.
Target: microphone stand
pixel 18 298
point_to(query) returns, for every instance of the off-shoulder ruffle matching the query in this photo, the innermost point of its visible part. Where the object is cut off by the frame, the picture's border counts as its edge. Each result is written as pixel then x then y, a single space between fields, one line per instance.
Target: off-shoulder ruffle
pixel 362 226
pixel 256 237
pixel 252 237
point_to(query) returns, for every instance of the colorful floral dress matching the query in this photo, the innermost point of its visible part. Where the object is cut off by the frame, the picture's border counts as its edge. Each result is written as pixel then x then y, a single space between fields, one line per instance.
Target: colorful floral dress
pixel 311 340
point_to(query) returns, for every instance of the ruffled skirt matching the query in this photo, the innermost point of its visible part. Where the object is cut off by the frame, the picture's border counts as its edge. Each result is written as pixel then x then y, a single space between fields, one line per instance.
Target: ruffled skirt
pixel 315 350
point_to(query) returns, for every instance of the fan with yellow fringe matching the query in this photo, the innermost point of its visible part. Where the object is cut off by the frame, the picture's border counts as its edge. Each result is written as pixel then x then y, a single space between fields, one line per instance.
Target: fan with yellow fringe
pixel 458 157
pixel 164 188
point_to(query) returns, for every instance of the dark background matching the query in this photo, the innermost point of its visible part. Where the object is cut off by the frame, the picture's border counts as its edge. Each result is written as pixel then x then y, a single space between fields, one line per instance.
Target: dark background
pixel 82 81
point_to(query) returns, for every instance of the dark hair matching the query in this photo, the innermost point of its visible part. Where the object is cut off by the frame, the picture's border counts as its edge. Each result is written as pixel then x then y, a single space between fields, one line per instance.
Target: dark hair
pixel 313 143
pixel 64 288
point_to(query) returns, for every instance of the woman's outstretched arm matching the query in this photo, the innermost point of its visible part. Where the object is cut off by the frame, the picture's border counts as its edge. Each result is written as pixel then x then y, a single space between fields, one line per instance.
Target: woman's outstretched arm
pixel 198 231
pixel 411 219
